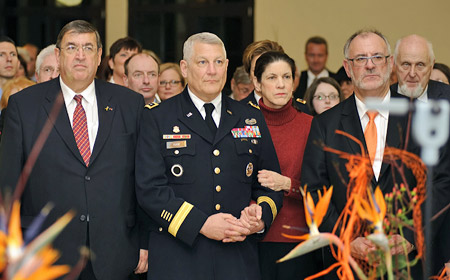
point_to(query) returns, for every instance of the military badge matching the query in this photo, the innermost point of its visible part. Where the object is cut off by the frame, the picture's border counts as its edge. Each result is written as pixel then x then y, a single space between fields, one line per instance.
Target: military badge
pixel 250 121
pixel 249 169
pixel 254 141
pixel 189 114
pixel 177 170
pixel 107 108
pixel 176 129
pixel 229 112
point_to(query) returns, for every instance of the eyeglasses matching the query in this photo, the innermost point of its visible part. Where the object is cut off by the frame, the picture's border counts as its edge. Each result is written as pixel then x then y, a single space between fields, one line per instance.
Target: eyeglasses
pixel 331 97
pixel 362 60
pixel 87 49
pixel 171 83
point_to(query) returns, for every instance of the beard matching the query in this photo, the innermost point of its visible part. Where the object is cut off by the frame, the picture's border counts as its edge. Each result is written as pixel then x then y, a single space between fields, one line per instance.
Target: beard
pixel 411 92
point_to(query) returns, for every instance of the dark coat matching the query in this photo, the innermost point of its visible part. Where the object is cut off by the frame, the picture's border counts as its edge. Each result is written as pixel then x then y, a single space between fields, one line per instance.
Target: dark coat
pixel 102 195
pixel 303 83
pixel 319 167
pixel 181 184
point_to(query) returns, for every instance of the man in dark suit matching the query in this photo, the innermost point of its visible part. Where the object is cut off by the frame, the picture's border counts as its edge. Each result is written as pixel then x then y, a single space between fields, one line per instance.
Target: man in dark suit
pixel 368 62
pixel 414 60
pixel 198 157
pixel 87 161
pixel 316 55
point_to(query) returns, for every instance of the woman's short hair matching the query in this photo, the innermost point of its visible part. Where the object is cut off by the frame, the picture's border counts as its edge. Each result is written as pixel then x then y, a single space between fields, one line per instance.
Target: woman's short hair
pixel 269 57
pixel 16 83
pixel 174 66
pixel 309 94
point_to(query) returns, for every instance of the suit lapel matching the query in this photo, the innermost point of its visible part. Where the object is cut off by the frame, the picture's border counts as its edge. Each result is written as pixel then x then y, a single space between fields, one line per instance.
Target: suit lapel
pixel 228 119
pixel 106 112
pixel 351 124
pixel 62 122
pixel 190 116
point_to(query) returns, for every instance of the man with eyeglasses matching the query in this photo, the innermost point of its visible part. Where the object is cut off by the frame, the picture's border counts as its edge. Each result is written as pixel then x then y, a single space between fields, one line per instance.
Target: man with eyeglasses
pixel 369 63
pixel 87 161
pixel 414 60
pixel 46 65
pixel 141 75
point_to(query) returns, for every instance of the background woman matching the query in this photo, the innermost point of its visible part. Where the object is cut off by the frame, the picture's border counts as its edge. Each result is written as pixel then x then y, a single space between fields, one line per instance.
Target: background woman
pixel 11 87
pixel 323 94
pixel 289 128
pixel 171 82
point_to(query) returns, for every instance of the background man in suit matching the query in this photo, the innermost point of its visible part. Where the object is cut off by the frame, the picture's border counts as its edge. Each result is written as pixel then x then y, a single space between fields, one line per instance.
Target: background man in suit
pixel 9 61
pixel 46 65
pixel 414 60
pixel 141 75
pixel 87 161
pixel 196 172
pixel 368 62
pixel 316 55
pixel 119 52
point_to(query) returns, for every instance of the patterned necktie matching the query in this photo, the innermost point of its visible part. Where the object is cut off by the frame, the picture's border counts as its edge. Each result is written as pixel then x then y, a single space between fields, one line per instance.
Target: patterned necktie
pixel 80 130
pixel 209 107
pixel 371 135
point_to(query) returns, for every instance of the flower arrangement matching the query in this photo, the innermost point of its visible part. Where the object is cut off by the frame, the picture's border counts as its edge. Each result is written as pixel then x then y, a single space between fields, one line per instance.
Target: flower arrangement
pixel 382 219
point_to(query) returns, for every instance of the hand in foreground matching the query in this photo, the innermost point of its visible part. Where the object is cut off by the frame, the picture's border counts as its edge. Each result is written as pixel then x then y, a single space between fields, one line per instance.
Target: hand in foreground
pixel 274 180
pixel 361 247
pixel 142 265
pixel 224 227
pixel 251 218
pixel 396 243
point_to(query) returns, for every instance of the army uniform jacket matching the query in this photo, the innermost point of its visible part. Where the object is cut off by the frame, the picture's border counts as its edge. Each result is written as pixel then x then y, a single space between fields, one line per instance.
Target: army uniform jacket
pixel 184 175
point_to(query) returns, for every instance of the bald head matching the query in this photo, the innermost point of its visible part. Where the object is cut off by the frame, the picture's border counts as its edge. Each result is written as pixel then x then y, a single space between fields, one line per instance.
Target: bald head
pixel 414 60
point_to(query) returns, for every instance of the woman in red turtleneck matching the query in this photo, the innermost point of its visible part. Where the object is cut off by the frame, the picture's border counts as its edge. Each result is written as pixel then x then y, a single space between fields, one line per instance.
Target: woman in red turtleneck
pixel 289 129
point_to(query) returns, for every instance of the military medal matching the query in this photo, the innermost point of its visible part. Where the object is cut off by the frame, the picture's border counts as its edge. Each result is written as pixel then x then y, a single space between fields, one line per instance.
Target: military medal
pixel 246 132
pixel 176 136
pixel 250 121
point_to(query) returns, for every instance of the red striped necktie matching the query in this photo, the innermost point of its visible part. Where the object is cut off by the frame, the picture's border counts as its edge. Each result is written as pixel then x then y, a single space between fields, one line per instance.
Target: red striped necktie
pixel 80 130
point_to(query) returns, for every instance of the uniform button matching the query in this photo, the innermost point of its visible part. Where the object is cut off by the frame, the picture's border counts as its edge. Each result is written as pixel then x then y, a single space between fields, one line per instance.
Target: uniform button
pixel 82 218
pixel 218 188
pixel 217 170
pixel 250 151
pixel 216 153
pixel 160 229
pixel 217 207
pixel 176 152
pixel 87 178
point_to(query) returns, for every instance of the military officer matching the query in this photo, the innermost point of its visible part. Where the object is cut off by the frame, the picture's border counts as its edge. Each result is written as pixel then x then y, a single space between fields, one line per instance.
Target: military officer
pixel 196 169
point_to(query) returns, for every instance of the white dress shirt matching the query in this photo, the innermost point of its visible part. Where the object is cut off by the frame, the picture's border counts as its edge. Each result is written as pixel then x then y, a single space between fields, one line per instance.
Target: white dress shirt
pixel 381 122
pixel 89 102
pixel 311 76
pixel 217 102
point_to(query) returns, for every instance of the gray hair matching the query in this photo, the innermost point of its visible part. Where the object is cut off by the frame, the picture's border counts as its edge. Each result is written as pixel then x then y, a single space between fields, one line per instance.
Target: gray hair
pixel 365 32
pixel 205 38
pixel 429 45
pixel 79 27
pixel 49 50
pixel 240 76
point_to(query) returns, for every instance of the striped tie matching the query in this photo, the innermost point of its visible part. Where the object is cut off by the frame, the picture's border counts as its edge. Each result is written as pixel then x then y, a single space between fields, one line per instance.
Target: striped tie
pixel 80 130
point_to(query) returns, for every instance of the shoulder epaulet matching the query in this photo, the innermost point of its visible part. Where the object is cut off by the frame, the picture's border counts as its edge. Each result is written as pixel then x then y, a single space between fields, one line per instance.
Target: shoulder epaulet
pixel 152 105
pixel 299 100
pixel 253 105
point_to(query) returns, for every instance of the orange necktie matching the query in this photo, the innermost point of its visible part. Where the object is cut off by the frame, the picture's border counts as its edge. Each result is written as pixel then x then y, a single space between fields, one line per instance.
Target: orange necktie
pixel 371 135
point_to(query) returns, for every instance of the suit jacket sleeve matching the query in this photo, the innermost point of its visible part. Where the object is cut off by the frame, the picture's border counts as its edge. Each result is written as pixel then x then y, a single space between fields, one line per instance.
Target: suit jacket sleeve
pixel 11 153
pixel 315 172
pixel 270 201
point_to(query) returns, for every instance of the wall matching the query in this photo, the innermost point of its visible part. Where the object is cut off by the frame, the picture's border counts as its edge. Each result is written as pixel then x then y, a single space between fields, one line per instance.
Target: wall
pixel 116 22
pixel 292 22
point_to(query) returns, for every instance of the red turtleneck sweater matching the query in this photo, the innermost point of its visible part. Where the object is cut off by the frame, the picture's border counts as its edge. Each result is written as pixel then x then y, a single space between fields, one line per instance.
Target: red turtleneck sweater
pixel 289 129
